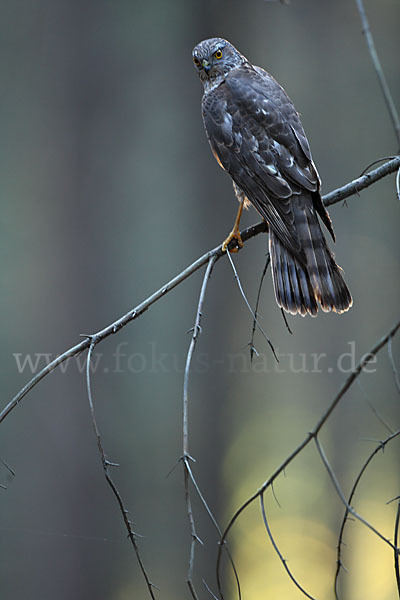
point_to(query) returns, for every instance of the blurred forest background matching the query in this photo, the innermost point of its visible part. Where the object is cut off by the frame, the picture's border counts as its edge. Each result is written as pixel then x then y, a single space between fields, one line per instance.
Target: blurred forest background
pixel 109 189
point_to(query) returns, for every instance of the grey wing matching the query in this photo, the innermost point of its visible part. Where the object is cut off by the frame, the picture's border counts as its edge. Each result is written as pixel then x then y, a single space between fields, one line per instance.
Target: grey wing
pixel 256 135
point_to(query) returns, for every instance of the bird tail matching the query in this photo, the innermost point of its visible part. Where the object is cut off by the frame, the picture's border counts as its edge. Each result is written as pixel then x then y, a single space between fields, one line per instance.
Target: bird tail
pixel 312 277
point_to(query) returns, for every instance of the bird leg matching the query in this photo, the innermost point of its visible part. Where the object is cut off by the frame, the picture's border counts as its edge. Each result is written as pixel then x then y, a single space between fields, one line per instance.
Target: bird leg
pixel 235 233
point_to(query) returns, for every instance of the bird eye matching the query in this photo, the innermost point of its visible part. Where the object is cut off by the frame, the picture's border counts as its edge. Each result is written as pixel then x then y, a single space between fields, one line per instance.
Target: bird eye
pixel 196 61
pixel 218 53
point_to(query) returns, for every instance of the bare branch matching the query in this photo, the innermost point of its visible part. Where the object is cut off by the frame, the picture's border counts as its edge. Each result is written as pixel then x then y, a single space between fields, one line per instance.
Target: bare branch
pixel 312 434
pixel 253 331
pixel 374 409
pixel 106 464
pixel 392 362
pixel 396 551
pixel 249 307
pixel 341 495
pixel 195 334
pixel 379 71
pixel 339 194
pixel 398 184
pixel 381 446
pixel 361 183
pixel 9 469
pixel 186 456
pixel 214 521
pixel 281 558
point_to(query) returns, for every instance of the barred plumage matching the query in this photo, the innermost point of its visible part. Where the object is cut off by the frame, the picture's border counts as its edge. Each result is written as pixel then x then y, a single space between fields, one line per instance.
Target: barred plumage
pixel 256 135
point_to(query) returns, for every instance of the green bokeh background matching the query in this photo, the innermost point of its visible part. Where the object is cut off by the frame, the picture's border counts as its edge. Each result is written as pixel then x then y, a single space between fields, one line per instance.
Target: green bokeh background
pixel 108 190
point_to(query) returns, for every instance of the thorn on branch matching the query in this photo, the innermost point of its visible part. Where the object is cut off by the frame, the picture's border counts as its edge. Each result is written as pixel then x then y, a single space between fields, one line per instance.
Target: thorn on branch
pixel 196 538
pixel 111 464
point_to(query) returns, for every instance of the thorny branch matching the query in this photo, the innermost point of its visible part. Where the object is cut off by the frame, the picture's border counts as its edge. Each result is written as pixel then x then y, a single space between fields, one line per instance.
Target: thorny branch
pixel 354 187
pixel 341 495
pixel 253 329
pixel 214 522
pixel 379 71
pixel 106 468
pixel 394 368
pixel 274 544
pixel 186 457
pixel 90 341
pixel 396 550
pixel 381 446
pixel 255 320
pixel 310 436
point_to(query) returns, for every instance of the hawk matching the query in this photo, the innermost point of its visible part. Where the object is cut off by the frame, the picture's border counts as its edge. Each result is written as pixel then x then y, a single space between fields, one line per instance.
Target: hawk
pixel 256 135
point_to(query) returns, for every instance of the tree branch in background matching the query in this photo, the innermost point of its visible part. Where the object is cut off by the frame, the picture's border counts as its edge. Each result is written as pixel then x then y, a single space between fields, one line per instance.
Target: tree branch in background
pixel 250 309
pixel 379 71
pixel 333 197
pixel 253 330
pixel 349 508
pixel 311 435
pixel 361 183
pixel 186 456
pixel 394 368
pixel 283 560
pixel 381 446
pixel 396 551
pixel 209 258
pixel 106 468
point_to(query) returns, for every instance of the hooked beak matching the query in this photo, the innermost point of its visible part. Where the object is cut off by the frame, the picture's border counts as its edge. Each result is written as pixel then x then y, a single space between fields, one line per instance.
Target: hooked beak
pixel 206 65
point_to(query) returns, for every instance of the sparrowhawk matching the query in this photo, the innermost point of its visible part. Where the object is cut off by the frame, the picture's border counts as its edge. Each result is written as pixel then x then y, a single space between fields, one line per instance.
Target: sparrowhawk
pixel 256 135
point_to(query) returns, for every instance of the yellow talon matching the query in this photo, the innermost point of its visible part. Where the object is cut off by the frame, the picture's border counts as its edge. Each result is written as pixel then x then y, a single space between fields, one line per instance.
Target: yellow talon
pixel 235 233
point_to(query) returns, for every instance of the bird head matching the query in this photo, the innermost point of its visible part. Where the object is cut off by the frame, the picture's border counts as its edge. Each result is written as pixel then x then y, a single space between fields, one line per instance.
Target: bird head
pixel 214 58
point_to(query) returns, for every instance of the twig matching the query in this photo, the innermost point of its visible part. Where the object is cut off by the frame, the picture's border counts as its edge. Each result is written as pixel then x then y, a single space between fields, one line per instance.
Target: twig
pixel 281 558
pixel 106 464
pixel 253 330
pixel 209 590
pixel 336 196
pixel 286 321
pixel 3 462
pixel 381 446
pixel 361 183
pixel 214 521
pixel 394 368
pixel 375 162
pixel 374 409
pixel 379 71
pixel 396 551
pixel 186 456
pixel 398 184
pixel 249 307
pixel 312 434
pixel 341 495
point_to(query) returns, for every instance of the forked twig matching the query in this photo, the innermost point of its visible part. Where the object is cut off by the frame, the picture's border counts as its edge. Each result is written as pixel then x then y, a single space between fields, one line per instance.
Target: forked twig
pixel 361 183
pixel 281 558
pixel 341 495
pixel 311 435
pixel 253 330
pixel 215 523
pixel 186 457
pixel 379 71
pixel 333 197
pixel 339 563
pixel 249 307
pixel 396 551
pixel 106 464
pixel 374 409
pixel 392 362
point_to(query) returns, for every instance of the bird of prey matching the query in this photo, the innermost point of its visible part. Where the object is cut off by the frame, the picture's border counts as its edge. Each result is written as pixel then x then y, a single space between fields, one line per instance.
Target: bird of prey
pixel 256 135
